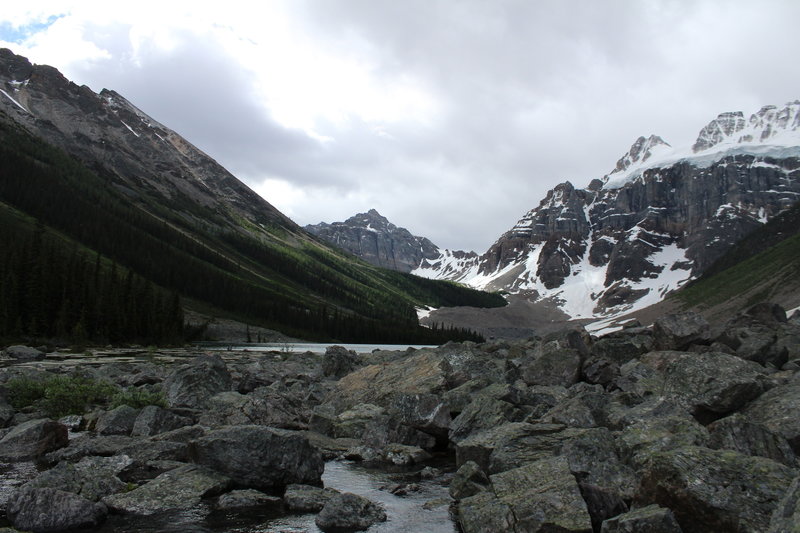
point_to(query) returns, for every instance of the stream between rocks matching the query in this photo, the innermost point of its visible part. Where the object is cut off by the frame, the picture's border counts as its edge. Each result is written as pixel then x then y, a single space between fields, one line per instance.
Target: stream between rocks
pixel 423 510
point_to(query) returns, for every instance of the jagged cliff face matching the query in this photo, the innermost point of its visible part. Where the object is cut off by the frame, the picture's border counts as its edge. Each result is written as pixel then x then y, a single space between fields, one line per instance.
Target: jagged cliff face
pixel 374 239
pixel 117 140
pixel 659 218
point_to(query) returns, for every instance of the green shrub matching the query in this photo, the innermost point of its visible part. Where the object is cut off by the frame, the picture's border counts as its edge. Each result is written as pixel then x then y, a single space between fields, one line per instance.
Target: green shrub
pixel 23 392
pixel 59 395
pixel 137 398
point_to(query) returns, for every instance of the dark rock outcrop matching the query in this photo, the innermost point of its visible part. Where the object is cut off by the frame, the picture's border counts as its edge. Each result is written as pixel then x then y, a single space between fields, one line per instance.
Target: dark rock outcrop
pixel 45 510
pixel 349 512
pixel 33 439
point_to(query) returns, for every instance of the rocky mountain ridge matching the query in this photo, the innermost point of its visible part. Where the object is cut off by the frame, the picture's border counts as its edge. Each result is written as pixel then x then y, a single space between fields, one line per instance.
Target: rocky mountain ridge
pixel 658 219
pixel 377 241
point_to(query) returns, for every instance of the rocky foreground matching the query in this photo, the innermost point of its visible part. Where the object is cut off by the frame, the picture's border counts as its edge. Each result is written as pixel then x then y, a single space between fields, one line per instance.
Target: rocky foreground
pixel 663 429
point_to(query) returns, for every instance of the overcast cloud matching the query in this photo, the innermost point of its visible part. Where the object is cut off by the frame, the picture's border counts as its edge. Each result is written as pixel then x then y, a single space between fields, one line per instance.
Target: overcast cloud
pixel 452 118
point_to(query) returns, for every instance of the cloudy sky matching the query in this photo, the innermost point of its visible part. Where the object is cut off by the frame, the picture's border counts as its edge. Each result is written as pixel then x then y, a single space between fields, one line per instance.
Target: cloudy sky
pixel 452 117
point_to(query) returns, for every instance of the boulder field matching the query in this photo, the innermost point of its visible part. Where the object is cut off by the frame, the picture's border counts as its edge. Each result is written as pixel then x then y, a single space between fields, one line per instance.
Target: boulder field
pixel 669 428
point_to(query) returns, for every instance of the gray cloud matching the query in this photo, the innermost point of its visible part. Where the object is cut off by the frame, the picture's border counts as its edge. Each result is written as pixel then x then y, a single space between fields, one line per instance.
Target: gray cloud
pixel 529 94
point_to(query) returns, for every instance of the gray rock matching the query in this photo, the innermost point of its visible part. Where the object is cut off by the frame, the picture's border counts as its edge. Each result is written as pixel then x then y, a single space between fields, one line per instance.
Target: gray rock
pixel 119 421
pixel 306 498
pixel 349 512
pixel 403 455
pixel 543 496
pixel 786 517
pixel 300 498
pixel 482 413
pixel 777 410
pixel 46 510
pixel 181 488
pixel 92 477
pixel 33 439
pixel 339 361
pixel 89 445
pixel 259 457
pixel 715 490
pixel 424 412
pixel 650 519
pixel 468 481
pixel 638 441
pixel 605 482
pixel 353 423
pixel 552 367
pixel 678 331
pixel 737 433
pixel 238 499
pixel 484 513
pixel 192 385
pixel 263 406
pixel 153 420
pixel 24 353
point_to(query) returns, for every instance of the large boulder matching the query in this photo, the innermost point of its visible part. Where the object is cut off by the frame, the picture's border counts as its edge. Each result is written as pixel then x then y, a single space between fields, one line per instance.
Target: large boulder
pixel 23 353
pixel 715 490
pixel 118 421
pixel 541 496
pixel 679 331
pixel 777 410
pixel 44 510
pixel 484 412
pixel 339 361
pixel 264 407
pixel 181 488
pixel 154 420
pixel 92 477
pixel 307 498
pixel 349 512
pixel 709 385
pixel 737 433
pixel 32 439
pixel 192 385
pixel 468 481
pixel 259 457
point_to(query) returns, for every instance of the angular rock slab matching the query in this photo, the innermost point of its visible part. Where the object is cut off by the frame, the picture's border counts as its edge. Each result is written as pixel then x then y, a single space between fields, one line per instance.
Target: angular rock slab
pixel 181 488
pixel 715 490
pixel 786 517
pixel 652 519
pixel 33 439
pixel 259 457
pixel 539 497
pixel 193 384
pixel 45 510
pixel 777 409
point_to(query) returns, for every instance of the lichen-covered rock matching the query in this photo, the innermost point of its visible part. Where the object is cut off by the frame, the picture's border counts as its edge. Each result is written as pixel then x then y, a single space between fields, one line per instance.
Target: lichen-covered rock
pixel 263 406
pixel 45 510
pixel 91 477
pixel 777 410
pixel 649 519
pixel 259 457
pixel 468 481
pixel 786 517
pixel 349 512
pixel 192 385
pixel 638 441
pixel 543 496
pixel 518 440
pixel 32 439
pixel 484 513
pixel 552 367
pixel 482 413
pixel 423 412
pixel 715 490
pixel 737 433
pixel 181 488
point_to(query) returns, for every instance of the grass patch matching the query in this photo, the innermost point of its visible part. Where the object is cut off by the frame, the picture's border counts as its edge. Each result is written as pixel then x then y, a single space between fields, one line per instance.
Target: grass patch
pixel 137 398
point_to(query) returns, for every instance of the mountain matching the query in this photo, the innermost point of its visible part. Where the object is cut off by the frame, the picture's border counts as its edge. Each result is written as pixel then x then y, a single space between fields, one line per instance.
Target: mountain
pixel 94 176
pixel 377 241
pixel 660 218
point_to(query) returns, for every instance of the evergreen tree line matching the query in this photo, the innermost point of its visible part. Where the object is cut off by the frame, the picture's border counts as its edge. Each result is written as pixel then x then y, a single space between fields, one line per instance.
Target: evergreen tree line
pixel 51 290
pixel 307 293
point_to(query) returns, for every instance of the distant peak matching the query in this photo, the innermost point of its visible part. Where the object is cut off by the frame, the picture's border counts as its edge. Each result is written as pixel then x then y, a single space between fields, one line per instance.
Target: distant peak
pixel 641 150
pixel 770 125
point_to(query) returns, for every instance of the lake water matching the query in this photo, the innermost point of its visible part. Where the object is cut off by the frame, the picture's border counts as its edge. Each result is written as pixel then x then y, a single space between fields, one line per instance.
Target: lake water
pixel 302 347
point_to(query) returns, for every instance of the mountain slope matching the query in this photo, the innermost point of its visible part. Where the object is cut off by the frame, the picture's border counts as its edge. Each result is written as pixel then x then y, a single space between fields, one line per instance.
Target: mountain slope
pixel 140 194
pixel 659 219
